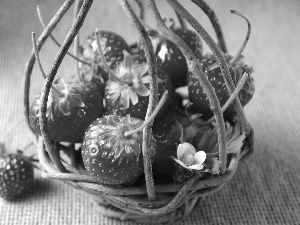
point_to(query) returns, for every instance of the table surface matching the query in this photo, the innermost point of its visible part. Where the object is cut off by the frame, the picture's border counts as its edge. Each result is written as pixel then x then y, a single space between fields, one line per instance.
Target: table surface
pixel 263 191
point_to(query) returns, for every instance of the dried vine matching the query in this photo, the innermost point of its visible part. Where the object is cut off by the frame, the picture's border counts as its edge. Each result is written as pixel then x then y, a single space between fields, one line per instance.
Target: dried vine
pixel 195 68
pixel 54 154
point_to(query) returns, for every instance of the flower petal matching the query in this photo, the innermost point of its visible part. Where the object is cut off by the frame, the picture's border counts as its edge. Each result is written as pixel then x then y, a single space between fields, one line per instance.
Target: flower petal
pixel 64 107
pixel 180 163
pixel 188 159
pixel 145 79
pixel 196 167
pixel 133 96
pixel 124 99
pixel 121 70
pixel 200 157
pixel 142 90
pixel 185 148
pixel 76 101
pixel 128 59
pixel 140 69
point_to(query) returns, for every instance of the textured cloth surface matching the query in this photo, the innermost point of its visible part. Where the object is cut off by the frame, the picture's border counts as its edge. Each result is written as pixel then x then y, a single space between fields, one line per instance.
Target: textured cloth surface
pixel 265 190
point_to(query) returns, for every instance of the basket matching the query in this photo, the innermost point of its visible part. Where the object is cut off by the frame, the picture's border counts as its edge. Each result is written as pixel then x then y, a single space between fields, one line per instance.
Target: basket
pixel 144 202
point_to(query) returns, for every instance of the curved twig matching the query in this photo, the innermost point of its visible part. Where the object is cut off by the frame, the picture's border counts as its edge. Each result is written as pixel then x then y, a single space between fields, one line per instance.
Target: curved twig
pixel 33 40
pixel 76 42
pixel 110 72
pixel 231 98
pixel 195 68
pixel 215 23
pixel 220 58
pixel 55 41
pixel 30 63
pixel 235 58
pixel 181 21
pixel 150 119
pixel 53 153
pixel 140 4
pixel 152 67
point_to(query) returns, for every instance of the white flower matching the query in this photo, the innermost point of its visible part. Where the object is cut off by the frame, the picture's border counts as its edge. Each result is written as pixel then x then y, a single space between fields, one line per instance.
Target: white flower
pixel 189 158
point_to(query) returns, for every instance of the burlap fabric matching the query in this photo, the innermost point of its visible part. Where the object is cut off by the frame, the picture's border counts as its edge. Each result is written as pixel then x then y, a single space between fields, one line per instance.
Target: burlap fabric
pixel 263 191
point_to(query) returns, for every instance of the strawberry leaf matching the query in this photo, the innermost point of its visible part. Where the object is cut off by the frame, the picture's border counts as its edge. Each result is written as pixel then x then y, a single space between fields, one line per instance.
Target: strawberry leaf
pixel 176 133
pixel 235 140
pixel 208 141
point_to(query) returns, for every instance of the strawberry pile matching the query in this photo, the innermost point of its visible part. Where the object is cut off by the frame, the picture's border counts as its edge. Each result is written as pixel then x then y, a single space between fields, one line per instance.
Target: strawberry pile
pixel 111 98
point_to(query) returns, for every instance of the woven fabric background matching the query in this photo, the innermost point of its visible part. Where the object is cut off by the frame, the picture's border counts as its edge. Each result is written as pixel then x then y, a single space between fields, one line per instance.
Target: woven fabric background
pixel 265 190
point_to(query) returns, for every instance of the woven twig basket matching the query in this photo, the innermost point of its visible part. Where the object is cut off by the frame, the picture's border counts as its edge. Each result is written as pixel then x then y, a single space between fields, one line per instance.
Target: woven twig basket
pixel 170 202
pixel 174 201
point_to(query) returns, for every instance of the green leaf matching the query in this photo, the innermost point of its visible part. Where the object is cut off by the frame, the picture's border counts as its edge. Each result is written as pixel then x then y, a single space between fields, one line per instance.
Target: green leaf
pixel 176 133
pixel 235 144
pixel 208 142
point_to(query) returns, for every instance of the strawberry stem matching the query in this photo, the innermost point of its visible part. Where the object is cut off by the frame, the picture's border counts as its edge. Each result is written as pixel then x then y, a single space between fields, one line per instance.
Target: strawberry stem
pixel 231 98
pixel 195 67
pixel 235 58
pixel 56 42
pixel 111 73
pixel 149 120
pixel 54 154
pixel 30 63
pixel 220 58
pixel 40 65
pixel 152 68
pixel 214 21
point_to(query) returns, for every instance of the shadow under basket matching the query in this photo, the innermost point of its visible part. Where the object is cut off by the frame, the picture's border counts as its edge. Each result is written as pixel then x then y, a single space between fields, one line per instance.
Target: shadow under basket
pixel 173 202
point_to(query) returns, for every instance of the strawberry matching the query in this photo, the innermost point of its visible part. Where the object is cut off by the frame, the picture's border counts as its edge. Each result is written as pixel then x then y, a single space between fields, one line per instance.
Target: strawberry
pixel 167 132
pixel 199 100
pixel 16 175
pixel 108 154
pixel 112 45
pixel 132 97
pixel 70 111
pixel 172 60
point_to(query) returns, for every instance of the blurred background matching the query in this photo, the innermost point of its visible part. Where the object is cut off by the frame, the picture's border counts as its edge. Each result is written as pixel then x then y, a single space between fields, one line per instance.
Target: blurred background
pixel 265 190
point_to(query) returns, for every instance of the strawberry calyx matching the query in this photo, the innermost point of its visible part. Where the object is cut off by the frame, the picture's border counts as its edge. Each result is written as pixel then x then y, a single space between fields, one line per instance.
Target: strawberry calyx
pixel 70 95
pixel 112 132
pixel 136 82
pixel 90 49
